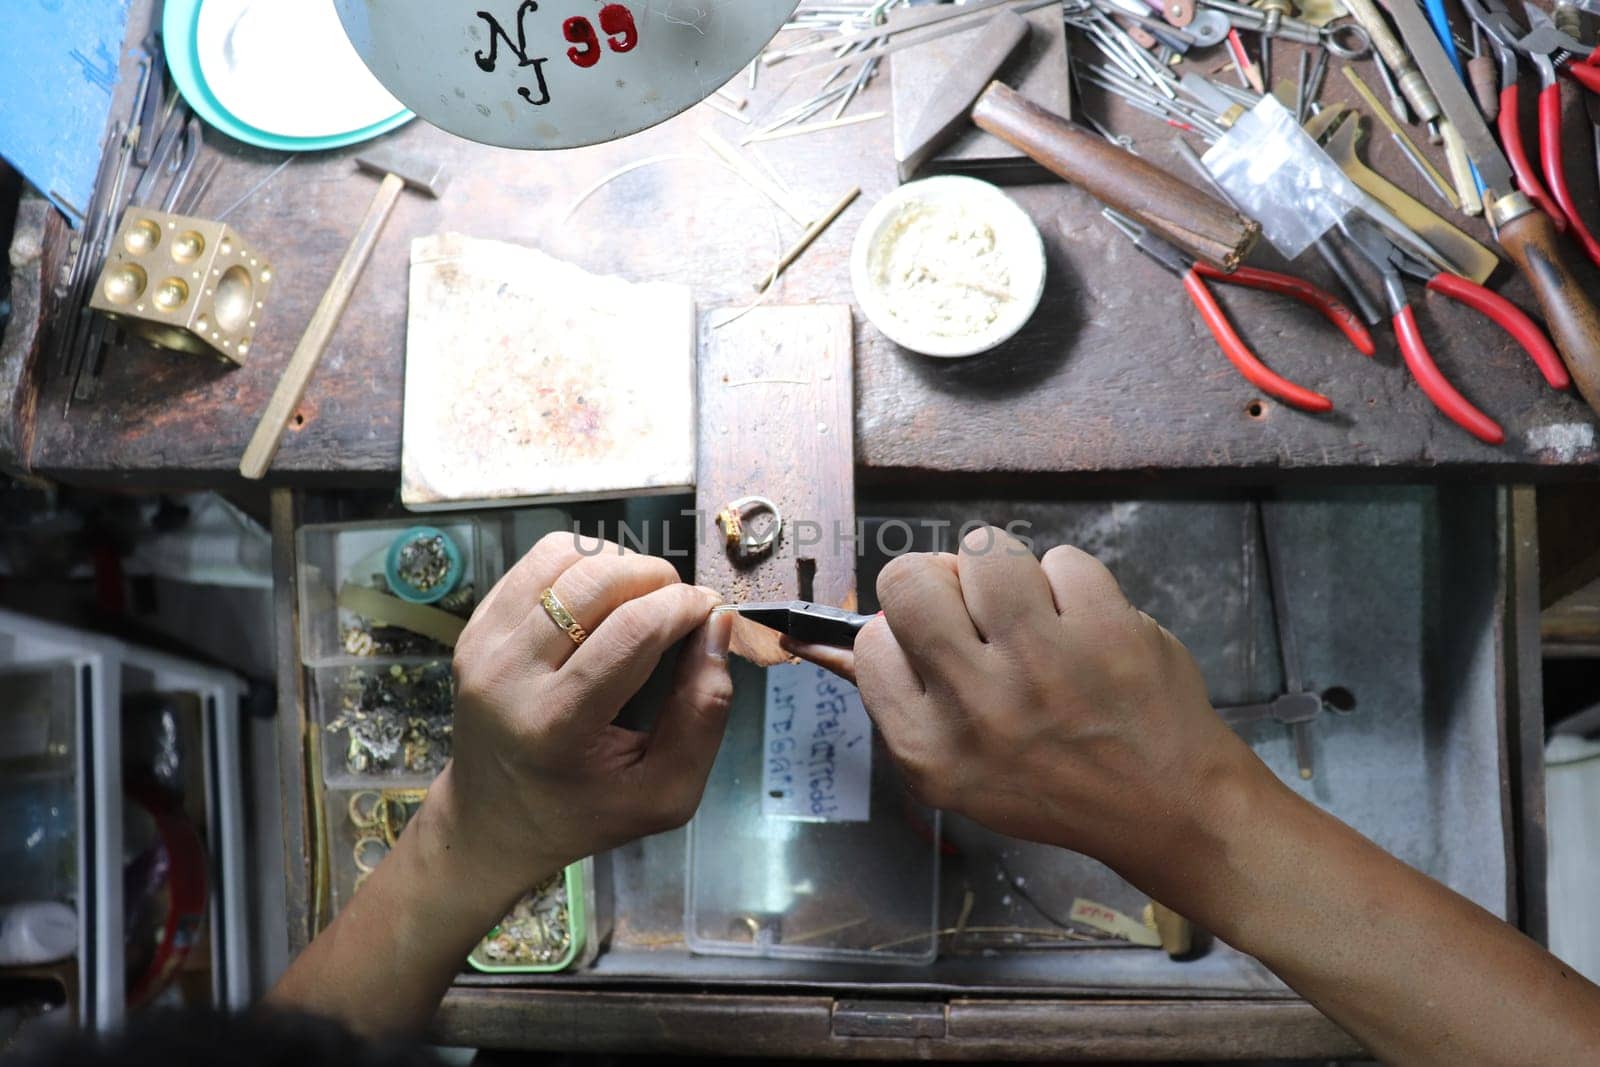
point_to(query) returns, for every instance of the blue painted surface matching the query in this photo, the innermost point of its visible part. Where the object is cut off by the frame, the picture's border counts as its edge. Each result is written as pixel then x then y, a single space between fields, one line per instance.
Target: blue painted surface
pixel 59 64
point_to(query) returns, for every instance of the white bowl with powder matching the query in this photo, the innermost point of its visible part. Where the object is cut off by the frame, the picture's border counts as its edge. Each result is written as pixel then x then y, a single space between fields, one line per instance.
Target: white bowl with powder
pixel 948 266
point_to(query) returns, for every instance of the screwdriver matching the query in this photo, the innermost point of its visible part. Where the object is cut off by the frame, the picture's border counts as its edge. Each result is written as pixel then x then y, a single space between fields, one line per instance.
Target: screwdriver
pixel 805 622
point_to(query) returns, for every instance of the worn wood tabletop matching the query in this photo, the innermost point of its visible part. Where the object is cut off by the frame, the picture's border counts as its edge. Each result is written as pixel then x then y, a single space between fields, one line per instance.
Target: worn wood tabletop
pixel 1114 377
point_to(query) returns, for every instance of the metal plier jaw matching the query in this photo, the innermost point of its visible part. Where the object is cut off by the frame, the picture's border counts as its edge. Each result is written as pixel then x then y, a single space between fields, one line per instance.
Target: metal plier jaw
pixel 1504 34
pixel 1392 262
pixel 1545 38
pixel 1550 49
pixel 1161 251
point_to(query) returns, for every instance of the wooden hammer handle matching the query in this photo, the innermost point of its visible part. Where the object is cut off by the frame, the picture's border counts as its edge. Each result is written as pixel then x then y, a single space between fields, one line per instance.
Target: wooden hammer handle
pixel 1192 219
pixel 1569 312
pixel 292 386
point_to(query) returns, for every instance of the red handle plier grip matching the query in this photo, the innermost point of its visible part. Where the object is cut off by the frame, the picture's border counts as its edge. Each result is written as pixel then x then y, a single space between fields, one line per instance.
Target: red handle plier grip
pixel 1194 274
pixel 1391 262
pixel 1239 354
pixel 1499 33
pixel 1510 318
pixel 1554 161
pixel 1328 305
pixel 1504 314
pixel 1551 49
pixel 1587 70
pixel 1517 153
pixel 1438 389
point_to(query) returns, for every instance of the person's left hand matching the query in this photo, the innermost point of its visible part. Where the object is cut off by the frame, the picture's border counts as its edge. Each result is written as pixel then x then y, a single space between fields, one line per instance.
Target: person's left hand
pixel 541 776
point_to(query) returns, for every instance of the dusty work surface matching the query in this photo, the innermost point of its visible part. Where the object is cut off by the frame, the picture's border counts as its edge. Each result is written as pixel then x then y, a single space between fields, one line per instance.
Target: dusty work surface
pixel 1116 373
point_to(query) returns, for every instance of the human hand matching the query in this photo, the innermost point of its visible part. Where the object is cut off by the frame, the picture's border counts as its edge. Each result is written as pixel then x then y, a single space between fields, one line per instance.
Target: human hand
pixel 540 775
pixel 1033 698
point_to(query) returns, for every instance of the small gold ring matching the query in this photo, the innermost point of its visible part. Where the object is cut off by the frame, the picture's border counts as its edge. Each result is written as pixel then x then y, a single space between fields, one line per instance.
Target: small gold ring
pixel 741 540
pixel 368 853
pixel 364 809
pixel 395 810
pixel 562 617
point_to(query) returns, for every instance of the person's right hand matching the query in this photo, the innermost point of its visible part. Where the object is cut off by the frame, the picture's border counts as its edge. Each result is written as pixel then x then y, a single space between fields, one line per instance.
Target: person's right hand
pixel 1036 700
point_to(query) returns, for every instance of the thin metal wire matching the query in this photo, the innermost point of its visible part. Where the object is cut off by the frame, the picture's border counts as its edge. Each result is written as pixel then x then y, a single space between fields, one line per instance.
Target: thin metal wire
pixel 257 187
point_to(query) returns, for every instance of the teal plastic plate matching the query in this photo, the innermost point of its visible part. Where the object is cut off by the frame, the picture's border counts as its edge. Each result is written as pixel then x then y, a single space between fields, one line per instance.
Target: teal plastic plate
pixel 178 24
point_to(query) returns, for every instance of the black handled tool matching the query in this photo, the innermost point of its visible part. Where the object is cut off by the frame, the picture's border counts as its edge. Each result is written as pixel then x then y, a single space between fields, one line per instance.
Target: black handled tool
pixel 812 624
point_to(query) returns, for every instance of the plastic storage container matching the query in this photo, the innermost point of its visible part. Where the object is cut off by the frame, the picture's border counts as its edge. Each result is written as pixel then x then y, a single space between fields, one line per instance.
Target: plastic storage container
pixel 39 835
pixel 384 723
pixel 575 943
pixel 363 826
pixel 343 588
pixel 784 887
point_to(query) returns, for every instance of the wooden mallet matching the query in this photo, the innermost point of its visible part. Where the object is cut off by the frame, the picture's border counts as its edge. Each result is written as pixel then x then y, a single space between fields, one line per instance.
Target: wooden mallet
pixel 398 172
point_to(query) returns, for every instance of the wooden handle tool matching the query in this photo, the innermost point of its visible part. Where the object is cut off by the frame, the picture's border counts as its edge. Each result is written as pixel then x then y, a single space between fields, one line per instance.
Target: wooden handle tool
pixel 1189 218
pixel 399 172
pixel 1524 231
pixel 1569 313
pixel 1394 55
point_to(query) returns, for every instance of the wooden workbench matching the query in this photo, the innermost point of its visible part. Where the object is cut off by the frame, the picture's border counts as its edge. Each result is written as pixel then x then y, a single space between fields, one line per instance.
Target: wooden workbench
pixel 1116 379
pixel 1115 375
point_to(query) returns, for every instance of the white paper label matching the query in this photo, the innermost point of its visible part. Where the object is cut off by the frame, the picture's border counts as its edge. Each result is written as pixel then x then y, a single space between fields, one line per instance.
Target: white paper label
pixel 817 758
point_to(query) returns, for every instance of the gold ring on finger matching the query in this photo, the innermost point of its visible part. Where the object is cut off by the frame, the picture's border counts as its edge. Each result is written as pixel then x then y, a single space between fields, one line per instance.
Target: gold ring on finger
pixel 559 615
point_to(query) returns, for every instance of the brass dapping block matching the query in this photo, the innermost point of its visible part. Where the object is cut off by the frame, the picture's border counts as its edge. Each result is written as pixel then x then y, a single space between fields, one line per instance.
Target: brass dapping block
pixel 185 283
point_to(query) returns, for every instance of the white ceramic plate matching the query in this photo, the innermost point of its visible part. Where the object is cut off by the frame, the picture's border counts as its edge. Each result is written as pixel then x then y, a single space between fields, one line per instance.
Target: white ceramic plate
pixel 557 73
pixel 1015 269
pixel 286 68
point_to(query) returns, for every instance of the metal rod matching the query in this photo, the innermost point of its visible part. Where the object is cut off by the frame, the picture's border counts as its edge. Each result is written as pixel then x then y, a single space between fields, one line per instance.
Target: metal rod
pixel 806 239
pixel 257 187
pixel 1319 70
pixel 1300 89
pixel 1422 167
pixel 1397 102
pixel 1288 647
pixel 868 68
pixel 1371 312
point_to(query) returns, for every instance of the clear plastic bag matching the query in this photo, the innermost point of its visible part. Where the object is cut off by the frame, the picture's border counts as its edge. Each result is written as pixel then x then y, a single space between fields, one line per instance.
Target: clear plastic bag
pixel 1279 176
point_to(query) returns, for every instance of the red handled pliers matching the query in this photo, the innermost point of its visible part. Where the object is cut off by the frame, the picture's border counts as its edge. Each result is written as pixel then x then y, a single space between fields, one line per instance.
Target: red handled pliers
pixel 1552 50
pixel 1502 32
pixel 1195 274
pixel 1391 262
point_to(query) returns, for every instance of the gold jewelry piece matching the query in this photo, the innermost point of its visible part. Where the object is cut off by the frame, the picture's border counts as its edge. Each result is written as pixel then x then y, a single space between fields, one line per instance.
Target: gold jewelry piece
pixel 562 617
pixel 365 808
pixel 382 816
pixel 736 530
pixel 368 853
pixel 732 527
pixel 396 810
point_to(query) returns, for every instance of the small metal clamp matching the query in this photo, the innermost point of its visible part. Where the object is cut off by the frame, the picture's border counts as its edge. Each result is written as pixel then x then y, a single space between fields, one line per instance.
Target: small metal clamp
pixel 733 519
